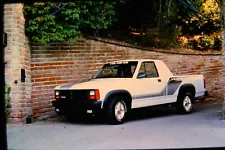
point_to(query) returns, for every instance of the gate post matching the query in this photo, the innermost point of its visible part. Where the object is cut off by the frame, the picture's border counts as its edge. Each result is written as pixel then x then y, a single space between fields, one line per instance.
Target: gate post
pixel 17 62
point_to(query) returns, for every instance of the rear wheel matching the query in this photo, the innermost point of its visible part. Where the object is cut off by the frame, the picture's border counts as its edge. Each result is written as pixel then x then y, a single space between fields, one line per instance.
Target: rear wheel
pixel 116 110
pixel 185 103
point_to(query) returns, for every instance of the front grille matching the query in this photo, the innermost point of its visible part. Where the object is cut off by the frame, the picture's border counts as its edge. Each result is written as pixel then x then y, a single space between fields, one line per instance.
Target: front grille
pixel 75 95
pixel 80 95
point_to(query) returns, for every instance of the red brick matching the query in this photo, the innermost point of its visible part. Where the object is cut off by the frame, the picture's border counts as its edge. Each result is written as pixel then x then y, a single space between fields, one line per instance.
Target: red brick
pixel 36 68
pixel 8 9
pixel 17 115
pixel 62 82
pixel 37 76
pixel 54 78
pixel 50 67
pixel 41 79
pixel 37 84
pixel 50 83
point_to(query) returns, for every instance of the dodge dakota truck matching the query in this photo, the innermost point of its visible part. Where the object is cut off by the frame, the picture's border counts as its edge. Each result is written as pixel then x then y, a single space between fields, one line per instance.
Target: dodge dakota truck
pixel 120 86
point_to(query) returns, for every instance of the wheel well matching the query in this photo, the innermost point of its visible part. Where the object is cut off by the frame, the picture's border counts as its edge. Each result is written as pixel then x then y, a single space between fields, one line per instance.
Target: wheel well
pixel 126 97
pixel 187 88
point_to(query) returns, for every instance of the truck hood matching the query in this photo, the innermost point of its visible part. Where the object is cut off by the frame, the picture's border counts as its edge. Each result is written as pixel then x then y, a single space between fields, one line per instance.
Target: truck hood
pixel 95 84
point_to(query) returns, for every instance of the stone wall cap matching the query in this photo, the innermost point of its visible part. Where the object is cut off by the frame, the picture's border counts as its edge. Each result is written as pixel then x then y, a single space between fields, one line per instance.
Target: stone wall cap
pixel 170 51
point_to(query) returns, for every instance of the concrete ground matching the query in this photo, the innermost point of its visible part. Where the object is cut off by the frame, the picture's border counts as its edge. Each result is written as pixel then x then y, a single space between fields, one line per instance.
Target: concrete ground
pixel 155 128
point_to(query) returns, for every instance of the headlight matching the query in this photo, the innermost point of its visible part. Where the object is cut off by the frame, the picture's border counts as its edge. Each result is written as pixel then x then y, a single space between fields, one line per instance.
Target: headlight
pixel 57 94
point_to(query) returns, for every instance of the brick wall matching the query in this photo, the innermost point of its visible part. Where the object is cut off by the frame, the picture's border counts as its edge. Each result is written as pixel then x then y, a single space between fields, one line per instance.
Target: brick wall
pixel 63 63
pixel 17 56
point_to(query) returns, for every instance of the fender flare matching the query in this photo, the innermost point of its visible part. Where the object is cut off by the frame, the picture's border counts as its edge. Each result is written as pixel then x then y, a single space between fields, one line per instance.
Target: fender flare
pixel 187 87
pixel 118 92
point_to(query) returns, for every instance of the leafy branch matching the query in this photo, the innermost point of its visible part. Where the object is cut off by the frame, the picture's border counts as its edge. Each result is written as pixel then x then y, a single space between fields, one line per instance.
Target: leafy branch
pixel 53 22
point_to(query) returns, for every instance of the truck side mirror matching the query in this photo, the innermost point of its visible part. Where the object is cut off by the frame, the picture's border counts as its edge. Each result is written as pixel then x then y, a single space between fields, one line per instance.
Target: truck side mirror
pixel 142 75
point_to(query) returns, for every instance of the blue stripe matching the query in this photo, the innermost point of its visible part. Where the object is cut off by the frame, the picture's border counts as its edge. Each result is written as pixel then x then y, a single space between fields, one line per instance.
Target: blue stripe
pixel 148 96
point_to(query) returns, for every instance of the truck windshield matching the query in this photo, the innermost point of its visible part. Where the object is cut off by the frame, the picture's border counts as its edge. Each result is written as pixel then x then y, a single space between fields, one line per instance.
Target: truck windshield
pixel 117 70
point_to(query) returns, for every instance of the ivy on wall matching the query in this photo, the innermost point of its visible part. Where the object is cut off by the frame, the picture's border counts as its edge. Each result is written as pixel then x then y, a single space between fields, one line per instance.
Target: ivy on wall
pixel 7 99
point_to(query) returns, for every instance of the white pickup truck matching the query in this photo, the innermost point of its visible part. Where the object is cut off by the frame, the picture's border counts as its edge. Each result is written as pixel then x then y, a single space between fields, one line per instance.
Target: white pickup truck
pixel 123 85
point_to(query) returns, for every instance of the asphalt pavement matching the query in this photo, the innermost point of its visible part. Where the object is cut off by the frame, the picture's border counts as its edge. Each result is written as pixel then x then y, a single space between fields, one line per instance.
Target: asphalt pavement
pixel 155 128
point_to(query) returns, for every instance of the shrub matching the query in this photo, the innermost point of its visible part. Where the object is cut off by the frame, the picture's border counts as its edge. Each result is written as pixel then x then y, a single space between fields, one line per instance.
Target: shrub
pixel 192 44
pixel 206 42
pixel 7 98
pixel 217 43
pixel 58 21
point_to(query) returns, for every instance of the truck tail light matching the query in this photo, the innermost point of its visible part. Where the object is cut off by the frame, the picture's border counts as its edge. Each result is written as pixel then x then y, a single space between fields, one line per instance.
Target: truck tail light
pixel 94 95
pixel 57 95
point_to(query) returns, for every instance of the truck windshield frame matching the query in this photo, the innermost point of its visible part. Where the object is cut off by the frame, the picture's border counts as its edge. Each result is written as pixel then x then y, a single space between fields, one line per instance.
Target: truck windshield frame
pixel 117 70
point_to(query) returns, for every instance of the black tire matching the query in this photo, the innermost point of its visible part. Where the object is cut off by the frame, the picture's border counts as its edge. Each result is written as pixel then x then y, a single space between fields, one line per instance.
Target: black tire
pixel 116 111
pixel 185 103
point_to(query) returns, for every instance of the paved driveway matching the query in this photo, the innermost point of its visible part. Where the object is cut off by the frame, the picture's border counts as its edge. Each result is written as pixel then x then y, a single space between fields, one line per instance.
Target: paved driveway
pixel 146 128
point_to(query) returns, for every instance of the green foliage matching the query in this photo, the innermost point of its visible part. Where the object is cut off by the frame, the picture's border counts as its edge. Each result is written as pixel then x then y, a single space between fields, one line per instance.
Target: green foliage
pixel 171 19
pixel 192 44
pixel 205 43
pixel 52 22
pixel 7 92
pixel 168 19
pixel 7 98
pixel 217 43
pixel 207 21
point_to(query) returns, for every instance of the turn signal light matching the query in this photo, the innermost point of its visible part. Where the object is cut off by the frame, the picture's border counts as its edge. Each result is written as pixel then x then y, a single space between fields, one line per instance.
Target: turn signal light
pixel 57 95
pixel 94 95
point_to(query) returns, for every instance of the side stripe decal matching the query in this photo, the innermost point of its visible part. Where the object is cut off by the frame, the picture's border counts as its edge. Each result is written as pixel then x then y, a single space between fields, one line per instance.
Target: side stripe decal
pixel 172 87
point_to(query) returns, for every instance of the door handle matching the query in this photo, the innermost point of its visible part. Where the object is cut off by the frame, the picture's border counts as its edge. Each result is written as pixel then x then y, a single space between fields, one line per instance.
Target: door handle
pixel 159 80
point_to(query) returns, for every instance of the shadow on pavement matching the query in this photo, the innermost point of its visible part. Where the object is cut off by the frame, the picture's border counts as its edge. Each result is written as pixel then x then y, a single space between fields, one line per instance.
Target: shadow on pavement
pixel 151 112
pixel 135 115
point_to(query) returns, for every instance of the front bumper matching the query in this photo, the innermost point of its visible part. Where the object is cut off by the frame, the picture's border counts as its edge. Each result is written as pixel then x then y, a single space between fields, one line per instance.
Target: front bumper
pixel 76 108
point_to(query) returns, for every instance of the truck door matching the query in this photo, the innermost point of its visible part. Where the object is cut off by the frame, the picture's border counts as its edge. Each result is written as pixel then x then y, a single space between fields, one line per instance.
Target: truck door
pixel 150 88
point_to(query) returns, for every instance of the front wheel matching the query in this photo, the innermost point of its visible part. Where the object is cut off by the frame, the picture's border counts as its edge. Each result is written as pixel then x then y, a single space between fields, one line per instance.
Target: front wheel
pixel 185 103
pixel 116 111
